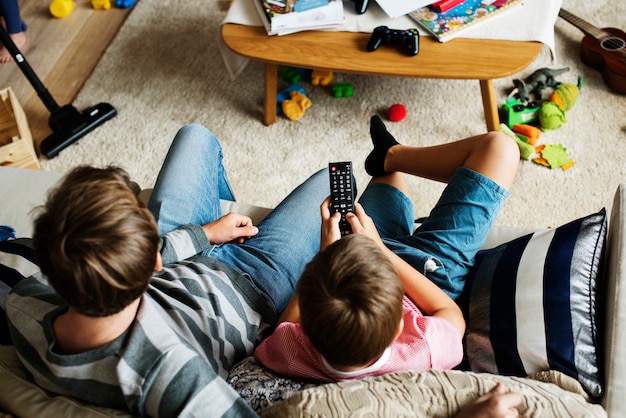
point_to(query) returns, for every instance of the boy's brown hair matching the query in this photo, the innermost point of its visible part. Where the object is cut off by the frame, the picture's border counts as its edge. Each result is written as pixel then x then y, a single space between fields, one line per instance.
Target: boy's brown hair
pixel 95 242
pixel 350 299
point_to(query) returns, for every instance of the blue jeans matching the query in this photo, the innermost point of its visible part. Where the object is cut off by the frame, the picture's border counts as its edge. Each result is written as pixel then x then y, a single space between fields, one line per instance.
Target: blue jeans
pixel 188 191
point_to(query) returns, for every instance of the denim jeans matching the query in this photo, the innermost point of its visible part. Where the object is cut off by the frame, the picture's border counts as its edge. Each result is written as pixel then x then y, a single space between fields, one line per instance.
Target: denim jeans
pixel 188 191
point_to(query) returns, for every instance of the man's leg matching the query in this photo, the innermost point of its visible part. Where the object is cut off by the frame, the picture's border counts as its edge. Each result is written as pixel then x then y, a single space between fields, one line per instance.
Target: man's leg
pixel 288 238
pixel 191 181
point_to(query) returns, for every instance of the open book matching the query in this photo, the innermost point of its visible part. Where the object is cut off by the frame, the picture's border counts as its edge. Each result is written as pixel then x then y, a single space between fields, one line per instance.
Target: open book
pixel 454 22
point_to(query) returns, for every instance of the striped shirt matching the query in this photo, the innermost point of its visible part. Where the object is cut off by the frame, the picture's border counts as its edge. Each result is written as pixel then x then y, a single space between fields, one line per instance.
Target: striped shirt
pixel 197 319
pixel 426 342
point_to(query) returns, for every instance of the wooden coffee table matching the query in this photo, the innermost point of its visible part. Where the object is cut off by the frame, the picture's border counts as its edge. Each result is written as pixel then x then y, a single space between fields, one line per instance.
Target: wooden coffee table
pixel 461 58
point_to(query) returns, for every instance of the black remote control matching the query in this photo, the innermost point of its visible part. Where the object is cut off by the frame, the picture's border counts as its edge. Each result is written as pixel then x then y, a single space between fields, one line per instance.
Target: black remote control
pixel 342 192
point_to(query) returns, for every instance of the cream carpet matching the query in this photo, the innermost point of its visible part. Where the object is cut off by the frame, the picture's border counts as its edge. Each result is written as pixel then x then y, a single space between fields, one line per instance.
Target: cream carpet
pixel 164 70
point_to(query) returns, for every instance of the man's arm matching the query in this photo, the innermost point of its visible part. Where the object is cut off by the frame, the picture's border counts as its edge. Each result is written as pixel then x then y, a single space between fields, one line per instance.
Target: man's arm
pixel 189 240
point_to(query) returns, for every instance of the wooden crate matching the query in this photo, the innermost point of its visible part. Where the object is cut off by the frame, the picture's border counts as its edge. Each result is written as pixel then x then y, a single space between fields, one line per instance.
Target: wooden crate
pixel 16 142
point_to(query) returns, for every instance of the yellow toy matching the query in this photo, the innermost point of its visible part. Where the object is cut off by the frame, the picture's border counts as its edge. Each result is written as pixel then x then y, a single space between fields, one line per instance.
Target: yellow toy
pixel 101 4
pixel 552 112
pixel 321 77
pixel 294 108
pixel 61 8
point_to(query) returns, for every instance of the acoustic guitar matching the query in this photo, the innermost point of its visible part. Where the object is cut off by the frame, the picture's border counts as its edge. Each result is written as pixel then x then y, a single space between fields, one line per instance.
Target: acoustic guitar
pixel 602 49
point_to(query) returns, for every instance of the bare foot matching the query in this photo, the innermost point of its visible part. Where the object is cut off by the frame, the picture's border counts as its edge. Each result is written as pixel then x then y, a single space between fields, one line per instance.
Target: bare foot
pixel 19 39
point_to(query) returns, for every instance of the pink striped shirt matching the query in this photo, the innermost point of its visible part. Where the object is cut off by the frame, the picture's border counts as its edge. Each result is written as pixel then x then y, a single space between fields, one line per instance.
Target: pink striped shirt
pixel 426 342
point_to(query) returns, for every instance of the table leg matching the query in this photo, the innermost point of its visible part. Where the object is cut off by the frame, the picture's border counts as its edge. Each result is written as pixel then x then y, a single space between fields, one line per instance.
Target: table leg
pixel 490 105
pixel 271 89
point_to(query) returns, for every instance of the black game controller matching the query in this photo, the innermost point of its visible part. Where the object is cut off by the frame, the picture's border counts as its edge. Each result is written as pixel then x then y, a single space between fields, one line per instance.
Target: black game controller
pixel 408 39
pixel 360 6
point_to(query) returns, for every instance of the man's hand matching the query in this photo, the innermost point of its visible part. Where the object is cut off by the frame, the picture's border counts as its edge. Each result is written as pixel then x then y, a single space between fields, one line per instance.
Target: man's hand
pixel 230 228
pixel 497 403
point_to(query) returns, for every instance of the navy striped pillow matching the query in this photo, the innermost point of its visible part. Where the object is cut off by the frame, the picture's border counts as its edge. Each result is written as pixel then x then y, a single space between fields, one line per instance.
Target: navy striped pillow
pixel 530 304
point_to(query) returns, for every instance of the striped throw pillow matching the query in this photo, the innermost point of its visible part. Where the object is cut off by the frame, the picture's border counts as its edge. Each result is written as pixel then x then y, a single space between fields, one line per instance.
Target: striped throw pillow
pixel 530 304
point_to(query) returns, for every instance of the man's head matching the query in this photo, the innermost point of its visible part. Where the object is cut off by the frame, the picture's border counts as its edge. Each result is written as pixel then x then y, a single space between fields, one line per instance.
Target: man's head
pixel 95 242
pixel 350 299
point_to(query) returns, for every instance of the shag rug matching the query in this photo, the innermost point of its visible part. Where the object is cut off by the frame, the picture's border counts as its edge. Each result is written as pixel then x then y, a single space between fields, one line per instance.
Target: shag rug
pixel 164 70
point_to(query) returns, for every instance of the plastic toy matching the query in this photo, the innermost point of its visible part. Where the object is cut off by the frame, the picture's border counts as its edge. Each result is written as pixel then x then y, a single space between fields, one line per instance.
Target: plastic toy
pixel 101 4
pixel 124 4
pixel 408 40
pixel 61 8
pixel 342 90
pixel 516 112
pixel 286 95
pixel 536 82
pixel 396 112
pixel 294 107
pixel 321 77
pixel 292 75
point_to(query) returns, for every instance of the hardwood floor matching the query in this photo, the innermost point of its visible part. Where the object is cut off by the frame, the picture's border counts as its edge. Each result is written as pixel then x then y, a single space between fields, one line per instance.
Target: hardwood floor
pixel 62 53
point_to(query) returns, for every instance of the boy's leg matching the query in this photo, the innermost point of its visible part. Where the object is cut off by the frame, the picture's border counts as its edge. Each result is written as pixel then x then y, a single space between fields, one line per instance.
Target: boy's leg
pixel 288 239
pixel 493 154
pixel 478 171
pixel 191 181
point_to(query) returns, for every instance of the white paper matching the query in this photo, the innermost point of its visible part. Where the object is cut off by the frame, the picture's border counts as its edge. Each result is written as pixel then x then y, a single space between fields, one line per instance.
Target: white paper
pixel 397 8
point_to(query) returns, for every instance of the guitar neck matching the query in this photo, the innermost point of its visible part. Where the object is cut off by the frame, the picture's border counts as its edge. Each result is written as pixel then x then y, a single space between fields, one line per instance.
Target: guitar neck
pixel 584 26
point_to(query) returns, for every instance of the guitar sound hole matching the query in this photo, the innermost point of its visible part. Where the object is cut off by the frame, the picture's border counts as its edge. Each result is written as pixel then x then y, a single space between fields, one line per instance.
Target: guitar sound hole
pixel 613 44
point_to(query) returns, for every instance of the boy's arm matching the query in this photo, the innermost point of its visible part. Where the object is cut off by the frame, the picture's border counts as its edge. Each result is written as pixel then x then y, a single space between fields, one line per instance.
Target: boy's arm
pixel 426 295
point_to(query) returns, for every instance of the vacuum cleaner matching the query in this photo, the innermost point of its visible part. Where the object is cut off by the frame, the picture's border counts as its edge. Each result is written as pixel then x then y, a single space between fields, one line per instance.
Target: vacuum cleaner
pixel 67 123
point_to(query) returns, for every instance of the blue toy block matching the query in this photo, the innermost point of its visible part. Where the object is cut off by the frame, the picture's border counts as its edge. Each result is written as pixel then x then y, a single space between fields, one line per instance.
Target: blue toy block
pixel 286 94
pixel 342 90
pixel 124 4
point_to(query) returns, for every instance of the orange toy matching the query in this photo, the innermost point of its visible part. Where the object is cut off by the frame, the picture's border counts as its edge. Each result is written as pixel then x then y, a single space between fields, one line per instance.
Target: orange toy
pixel 294 108
pixel 531 132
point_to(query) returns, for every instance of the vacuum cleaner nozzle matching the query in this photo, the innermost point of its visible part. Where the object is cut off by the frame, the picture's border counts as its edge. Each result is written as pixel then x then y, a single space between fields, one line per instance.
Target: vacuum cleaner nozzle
pixel 69 125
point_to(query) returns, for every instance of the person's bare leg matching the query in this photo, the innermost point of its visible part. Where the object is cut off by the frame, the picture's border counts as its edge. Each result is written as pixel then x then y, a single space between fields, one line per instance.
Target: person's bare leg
pixel 19 39
pixel 492 154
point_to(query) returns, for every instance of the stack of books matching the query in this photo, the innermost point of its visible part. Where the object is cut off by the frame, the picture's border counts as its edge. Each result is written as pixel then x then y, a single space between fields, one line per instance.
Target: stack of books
pixel 282 17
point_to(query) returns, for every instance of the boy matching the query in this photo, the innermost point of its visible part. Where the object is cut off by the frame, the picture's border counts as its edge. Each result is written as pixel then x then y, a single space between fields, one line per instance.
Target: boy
pixel 367 305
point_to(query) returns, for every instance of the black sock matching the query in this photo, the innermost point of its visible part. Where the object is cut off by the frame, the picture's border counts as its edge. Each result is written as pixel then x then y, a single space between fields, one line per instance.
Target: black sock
pixel 383 140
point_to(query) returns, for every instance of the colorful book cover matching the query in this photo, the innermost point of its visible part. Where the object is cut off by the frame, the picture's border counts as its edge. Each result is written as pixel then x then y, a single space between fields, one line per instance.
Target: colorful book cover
pixel 287 16
pixel 449 24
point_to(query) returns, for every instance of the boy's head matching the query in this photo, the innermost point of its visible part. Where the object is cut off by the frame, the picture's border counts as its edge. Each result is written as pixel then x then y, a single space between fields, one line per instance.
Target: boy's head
pixel 95 242
pixel 350 299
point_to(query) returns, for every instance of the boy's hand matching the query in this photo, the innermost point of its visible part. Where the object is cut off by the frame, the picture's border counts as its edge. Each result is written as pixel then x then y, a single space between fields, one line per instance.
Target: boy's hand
pixel 231 227
pixel 330 225
pixel 362 223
